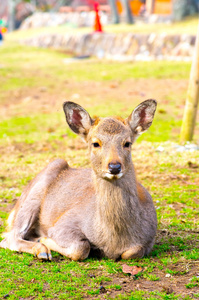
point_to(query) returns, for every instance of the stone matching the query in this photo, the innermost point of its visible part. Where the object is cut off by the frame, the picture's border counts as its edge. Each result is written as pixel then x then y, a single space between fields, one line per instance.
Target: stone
pixel 121 47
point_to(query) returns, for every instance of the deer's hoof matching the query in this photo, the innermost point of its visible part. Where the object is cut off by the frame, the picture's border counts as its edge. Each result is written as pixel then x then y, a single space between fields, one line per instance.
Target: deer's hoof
pixel 44 256
pixel 42 252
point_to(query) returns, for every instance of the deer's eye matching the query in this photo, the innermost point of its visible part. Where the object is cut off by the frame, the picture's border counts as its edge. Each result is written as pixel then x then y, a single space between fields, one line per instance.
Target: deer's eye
pixel 96 145
pixel 127 145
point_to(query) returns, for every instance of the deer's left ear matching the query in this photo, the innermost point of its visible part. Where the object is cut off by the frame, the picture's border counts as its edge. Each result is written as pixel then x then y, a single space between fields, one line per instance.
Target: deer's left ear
pixel 77 118
pixel 142 116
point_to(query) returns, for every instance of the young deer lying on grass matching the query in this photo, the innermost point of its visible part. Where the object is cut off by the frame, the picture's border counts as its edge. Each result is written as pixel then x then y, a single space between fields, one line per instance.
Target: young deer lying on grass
pixel 73 210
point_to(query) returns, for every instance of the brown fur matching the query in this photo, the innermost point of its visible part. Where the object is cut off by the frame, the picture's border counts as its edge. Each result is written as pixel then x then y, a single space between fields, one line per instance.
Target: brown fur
pixel 96 120
pixel 73 210
pixel 142 193
pixel 110 126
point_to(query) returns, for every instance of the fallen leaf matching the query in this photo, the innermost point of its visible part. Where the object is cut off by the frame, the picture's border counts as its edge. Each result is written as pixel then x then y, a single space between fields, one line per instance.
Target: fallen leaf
pixel 133 270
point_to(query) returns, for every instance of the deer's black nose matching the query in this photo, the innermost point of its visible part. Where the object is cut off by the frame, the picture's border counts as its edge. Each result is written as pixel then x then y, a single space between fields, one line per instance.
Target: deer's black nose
pixel 114 168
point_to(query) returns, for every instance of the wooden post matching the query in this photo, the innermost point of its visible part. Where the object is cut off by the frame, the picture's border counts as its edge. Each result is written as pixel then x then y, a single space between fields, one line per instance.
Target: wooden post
pixel 190 111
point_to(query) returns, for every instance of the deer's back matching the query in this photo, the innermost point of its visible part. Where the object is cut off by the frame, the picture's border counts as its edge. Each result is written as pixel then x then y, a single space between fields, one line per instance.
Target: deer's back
pixel 72 192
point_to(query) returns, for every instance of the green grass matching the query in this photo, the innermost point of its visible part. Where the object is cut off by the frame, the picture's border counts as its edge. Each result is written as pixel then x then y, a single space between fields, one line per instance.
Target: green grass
pixel 27 128
pixel 38 68
pixel 33 131
pixel 26 71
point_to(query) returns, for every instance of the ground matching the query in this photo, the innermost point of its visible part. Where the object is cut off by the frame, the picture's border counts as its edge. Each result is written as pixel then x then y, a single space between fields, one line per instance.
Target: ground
pixel 34 84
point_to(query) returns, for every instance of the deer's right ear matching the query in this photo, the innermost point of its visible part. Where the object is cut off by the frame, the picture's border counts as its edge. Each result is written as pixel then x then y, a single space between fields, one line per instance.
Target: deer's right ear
pixel 77 118
pixel 142 116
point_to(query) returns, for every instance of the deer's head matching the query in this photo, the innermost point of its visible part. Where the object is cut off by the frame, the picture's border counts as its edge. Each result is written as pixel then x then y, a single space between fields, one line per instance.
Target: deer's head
pixel 110 139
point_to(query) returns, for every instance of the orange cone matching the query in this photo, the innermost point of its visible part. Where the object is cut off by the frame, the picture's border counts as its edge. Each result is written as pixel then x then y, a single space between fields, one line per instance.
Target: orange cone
pixel 97 24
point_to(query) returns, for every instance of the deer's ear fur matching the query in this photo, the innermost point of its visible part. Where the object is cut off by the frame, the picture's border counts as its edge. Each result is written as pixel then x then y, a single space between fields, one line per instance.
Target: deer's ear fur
pixel 77 118
pixel 142 116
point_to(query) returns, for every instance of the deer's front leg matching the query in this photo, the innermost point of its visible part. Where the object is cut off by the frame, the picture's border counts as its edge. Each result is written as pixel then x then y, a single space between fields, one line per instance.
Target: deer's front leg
pixel 18 244
pixel 77 250
pixel 136 251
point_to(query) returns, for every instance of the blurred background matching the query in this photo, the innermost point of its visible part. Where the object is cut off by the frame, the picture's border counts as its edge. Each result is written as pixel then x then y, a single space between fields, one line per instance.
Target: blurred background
pixel 14 12
pixel 134 49
pixel 108 56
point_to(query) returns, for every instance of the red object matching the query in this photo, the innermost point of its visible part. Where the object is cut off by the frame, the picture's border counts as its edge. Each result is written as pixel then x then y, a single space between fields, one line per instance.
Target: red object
pixel 97 24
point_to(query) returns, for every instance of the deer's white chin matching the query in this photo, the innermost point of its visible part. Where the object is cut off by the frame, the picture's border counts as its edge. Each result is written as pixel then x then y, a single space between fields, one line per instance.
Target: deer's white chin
pixel 112 176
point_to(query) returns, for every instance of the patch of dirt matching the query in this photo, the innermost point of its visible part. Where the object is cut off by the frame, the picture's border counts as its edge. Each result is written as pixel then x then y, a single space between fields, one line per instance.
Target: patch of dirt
pixel 167 283
pixel 130 92
pixel 173 284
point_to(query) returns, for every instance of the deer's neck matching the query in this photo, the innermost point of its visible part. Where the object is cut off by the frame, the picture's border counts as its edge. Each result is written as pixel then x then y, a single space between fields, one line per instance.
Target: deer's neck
pixel 116 202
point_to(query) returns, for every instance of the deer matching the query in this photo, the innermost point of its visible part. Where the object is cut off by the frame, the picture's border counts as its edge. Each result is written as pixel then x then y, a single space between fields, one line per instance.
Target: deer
pixel 73 211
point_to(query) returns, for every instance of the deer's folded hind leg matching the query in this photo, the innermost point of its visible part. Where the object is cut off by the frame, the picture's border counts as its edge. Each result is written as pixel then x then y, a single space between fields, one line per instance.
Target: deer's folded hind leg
pixel 133 252
pixel 78 250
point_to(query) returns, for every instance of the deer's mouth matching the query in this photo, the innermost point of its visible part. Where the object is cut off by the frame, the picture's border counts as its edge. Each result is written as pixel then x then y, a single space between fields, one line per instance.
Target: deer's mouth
pixel 110 176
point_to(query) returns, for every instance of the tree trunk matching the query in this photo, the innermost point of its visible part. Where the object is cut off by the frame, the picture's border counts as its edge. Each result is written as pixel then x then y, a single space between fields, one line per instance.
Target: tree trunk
pixel 11 13
pixel 192 100
pixel 184 8
pixel 114 11
pixel 127 12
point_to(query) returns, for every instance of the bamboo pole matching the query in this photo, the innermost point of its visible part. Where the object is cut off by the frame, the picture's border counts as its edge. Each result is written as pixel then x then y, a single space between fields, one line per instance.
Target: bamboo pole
pixel 190 111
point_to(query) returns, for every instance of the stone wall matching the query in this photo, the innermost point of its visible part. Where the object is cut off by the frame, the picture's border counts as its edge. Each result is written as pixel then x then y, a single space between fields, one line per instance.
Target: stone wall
pixel 123 47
